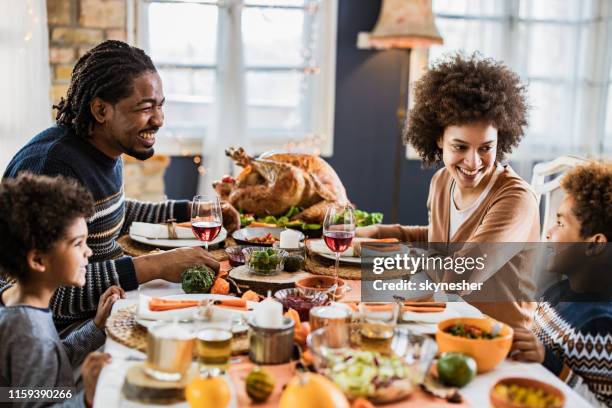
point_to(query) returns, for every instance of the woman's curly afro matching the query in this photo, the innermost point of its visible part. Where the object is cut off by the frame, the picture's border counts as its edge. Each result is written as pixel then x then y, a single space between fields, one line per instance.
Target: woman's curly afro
pixel 463 90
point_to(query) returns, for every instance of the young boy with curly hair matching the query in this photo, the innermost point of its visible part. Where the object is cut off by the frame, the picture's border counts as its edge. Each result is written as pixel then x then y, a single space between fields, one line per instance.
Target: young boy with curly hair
pixel 572 329
pixel 43 236
pixel 468 114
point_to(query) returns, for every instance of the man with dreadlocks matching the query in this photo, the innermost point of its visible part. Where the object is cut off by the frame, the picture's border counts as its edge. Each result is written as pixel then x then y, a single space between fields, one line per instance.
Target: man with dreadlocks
pixel 114 106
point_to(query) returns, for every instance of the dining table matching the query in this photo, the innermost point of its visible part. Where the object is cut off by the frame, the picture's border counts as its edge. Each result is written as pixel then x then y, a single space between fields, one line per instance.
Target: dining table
pixel 475 394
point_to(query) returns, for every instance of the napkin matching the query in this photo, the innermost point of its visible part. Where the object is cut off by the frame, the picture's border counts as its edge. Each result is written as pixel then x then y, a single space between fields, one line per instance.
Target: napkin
pixel 159 231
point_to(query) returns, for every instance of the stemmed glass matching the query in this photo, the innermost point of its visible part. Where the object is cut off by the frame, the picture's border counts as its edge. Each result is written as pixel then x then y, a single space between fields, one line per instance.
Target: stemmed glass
pixel 206 218
pixel 339 230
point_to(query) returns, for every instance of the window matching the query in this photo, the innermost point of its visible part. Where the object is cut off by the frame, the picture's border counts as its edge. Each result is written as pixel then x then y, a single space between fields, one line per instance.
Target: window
pixel 287 54
pixel 560 48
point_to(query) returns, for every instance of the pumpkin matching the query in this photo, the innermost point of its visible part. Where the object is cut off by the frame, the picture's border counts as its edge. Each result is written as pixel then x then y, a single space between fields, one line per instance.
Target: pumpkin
pixel 362 403
pixel 309 390
pixel 197 279
pixel 220 287
pixel 259 384
pixel 208 392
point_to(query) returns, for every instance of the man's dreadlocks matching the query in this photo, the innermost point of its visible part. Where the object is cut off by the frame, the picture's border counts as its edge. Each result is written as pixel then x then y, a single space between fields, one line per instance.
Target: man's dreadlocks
pixel 106 71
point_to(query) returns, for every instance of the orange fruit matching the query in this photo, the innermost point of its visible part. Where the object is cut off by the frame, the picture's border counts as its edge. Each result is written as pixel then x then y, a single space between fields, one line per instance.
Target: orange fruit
pixel 208 392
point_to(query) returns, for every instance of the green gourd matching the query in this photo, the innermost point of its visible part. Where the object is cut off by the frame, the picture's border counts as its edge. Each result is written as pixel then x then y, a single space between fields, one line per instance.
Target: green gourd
pixel 259 384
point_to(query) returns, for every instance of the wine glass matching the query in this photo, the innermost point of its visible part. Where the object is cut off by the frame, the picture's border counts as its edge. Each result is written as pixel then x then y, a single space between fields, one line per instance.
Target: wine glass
pixel 206 218
pixel 339 230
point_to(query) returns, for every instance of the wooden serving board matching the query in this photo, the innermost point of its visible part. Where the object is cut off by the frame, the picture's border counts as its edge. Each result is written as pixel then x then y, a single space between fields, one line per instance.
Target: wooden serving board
pixel 141 388
pixel 261 284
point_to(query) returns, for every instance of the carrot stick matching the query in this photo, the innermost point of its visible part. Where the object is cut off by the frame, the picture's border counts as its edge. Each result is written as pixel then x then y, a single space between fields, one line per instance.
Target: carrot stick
pixel 242 303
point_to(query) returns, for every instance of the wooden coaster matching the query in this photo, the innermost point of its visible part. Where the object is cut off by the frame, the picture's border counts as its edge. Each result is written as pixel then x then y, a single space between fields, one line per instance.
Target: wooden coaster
pixel 122 327
pixel 138 386
pixel 261 284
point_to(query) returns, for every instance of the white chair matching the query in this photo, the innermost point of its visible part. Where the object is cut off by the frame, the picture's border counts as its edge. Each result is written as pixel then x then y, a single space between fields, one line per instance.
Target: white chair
pixel 551 189
pixel 546 182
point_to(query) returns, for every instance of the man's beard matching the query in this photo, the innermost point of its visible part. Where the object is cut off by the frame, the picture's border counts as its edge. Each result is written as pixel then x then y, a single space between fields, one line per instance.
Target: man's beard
pixel 142 155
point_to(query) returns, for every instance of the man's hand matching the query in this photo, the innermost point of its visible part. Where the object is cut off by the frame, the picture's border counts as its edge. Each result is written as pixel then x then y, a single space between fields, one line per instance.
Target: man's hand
pixel 170 264
pixel 105 304
pixel 526 346
pixel 91 371
pixel 231 217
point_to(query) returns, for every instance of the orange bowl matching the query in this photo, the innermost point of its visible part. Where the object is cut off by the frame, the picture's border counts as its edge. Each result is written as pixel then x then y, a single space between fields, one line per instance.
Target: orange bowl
pixel 309 286
pixel 498 401
pixel 487 352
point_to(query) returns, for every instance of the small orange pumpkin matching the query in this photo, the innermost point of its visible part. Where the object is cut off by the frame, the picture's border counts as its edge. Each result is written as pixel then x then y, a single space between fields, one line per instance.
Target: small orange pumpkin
pixel 205 392
pixel 309 390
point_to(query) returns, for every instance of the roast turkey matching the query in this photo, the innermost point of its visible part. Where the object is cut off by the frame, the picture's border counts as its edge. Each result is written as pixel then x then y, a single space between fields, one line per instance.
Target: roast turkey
pixel 274 182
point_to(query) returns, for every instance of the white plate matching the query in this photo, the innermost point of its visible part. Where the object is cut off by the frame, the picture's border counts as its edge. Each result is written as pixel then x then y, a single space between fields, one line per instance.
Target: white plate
pixel 320 248
pixel 453 309
pixel 178 243
pixel 186 315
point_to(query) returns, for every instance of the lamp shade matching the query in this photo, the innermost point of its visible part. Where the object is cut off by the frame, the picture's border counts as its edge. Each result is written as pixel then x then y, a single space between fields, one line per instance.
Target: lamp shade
pixel 405 24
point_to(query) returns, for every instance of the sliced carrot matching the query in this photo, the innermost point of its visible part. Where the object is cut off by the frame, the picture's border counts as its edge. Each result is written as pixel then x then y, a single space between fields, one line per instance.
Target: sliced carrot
pixel 158 304
pixel 423 309
pixel 250 295
pixel 235 302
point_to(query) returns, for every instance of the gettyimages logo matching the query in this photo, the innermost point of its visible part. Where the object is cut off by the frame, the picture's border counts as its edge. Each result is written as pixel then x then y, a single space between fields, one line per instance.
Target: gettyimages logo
pixel 413 264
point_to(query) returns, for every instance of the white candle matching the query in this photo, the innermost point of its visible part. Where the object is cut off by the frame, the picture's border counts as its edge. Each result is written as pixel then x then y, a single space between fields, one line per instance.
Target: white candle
pixel 269 314
pixel 289 239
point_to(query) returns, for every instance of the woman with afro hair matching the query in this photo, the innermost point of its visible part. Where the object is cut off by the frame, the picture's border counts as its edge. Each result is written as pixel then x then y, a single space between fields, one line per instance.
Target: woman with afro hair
pixel 469 113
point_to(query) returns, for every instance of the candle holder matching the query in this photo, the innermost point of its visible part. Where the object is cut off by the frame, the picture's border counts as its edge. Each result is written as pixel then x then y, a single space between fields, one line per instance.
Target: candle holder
pixel 271 345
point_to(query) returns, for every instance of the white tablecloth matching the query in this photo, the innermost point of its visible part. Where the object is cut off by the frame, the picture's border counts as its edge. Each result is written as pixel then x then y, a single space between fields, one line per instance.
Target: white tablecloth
pixel 108 393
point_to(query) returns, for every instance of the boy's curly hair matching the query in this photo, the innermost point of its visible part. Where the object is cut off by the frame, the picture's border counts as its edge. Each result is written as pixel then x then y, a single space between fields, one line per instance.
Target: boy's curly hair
pixel 34 213
pixel 463 90
pixel 590 186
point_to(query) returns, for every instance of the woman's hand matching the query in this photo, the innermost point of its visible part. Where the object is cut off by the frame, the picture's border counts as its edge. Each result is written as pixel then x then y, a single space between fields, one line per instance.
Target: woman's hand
pixel 105 304
pixel 370 231
pixel 526 346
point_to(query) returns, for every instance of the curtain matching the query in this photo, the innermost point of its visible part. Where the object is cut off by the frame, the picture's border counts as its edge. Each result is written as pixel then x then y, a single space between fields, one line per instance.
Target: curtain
pixel 229 124
pixel 25 105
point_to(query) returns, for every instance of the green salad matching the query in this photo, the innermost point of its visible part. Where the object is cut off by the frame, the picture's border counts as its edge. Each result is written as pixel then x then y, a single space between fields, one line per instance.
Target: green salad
pixel 362 219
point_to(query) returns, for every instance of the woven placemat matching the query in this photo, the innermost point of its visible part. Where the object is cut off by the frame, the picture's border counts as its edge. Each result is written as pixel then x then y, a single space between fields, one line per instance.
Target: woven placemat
pixel 133 248
pixel 122 327
pixel 322 266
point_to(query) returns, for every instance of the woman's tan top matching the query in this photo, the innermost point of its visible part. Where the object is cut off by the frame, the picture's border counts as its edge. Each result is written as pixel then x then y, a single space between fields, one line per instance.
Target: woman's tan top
pixel 509 214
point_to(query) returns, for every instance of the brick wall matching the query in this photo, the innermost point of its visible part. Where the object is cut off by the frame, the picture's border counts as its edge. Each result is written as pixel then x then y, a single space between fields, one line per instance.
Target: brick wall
pixel 74 27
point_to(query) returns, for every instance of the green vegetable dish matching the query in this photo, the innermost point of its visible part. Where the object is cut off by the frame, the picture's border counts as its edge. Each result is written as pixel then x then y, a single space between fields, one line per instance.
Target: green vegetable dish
pixel 362 219
pixel 264 261
pixel 197 279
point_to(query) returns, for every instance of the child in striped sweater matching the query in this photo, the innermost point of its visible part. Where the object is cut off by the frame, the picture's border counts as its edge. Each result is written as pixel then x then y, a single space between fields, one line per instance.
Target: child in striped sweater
pixel 572 330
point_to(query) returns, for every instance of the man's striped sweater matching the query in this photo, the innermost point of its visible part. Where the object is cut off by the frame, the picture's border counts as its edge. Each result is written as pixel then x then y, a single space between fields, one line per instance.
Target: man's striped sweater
pixel 58 150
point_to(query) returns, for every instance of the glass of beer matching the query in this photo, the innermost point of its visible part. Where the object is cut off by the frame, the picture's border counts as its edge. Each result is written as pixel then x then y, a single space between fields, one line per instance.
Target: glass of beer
pixel 214 349
pixel 377 324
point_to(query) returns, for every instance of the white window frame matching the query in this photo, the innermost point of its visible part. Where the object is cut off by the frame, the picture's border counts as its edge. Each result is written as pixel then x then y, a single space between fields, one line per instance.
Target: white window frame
pixel 319 103
pixel 591 126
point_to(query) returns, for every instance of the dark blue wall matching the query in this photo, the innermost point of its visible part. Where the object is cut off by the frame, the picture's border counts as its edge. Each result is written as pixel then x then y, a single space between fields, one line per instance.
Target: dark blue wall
pixel 367 95
pixel 366 130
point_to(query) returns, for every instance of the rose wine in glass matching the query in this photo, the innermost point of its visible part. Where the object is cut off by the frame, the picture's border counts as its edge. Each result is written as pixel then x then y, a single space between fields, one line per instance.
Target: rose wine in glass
pixel 206 218
pixel 338 230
